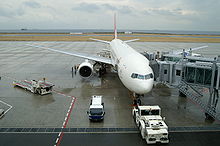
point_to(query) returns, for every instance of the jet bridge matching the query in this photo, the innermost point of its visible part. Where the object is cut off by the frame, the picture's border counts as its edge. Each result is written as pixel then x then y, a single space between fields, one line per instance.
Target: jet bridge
pixel 190 73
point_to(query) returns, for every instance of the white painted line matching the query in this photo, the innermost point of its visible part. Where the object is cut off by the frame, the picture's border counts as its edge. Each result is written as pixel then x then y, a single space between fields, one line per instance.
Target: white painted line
pixel 57 140
pixel 59 137
pixel 59 134
pixel 10 107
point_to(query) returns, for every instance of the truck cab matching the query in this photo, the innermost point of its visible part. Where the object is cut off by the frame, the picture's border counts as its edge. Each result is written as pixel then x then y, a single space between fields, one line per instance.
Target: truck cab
pixel 96 109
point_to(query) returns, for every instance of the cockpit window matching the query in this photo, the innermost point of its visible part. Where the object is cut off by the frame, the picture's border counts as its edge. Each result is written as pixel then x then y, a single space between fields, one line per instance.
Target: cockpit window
pixel 142 77
pixel 134 75
pixel 149 76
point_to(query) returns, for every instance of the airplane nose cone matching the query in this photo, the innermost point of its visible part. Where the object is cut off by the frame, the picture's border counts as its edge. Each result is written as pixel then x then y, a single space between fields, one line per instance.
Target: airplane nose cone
pixel 144 87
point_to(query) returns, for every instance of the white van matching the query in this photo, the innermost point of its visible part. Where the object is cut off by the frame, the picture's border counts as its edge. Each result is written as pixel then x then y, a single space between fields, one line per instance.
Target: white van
pixel 96 109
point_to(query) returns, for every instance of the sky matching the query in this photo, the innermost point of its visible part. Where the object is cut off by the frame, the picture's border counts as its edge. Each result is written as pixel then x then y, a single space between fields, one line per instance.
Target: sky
pixel 197 15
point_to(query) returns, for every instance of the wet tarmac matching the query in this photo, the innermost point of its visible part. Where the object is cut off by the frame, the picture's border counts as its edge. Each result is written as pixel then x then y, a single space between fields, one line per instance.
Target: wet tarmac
pixel 107 139
pixel 18 61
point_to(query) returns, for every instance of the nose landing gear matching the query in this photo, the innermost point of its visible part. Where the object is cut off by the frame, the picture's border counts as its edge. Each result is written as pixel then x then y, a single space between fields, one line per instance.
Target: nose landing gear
pixel 136 98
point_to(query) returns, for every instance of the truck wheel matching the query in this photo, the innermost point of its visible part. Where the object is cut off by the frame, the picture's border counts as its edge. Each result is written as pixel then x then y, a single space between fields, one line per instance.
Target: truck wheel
pixel 134 115
pixel 142 133
pixel 139 101
pixel 39 92
pixel 140 127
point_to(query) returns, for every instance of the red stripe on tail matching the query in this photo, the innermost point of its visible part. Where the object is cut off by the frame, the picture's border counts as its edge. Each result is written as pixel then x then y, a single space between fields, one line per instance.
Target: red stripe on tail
pixel 115 29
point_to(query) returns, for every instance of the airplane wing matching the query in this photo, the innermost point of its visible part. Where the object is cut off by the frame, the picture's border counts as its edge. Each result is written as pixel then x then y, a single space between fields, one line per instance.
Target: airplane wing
pixel 197 48
pixel 81 55
pixel 102 41
pixel 192 49
pixel 127 41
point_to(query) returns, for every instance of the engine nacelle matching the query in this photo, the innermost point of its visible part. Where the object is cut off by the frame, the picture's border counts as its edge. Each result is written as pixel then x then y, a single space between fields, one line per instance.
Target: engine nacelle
pixel 85 69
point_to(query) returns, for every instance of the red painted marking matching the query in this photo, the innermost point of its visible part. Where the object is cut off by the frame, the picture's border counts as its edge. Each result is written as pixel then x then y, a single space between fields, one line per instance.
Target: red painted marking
pixel 67 119
pixel 27 82
pixel 21 85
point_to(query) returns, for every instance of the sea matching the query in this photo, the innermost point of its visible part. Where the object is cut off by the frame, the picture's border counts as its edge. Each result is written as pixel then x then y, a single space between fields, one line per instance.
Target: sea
pixel 81 31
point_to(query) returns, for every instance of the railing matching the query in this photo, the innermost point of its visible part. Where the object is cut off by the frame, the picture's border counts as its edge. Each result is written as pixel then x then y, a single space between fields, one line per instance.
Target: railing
pixel 187 90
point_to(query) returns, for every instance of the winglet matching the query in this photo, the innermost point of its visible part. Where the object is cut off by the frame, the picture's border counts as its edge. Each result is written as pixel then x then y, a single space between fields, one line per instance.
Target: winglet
pixel 115 29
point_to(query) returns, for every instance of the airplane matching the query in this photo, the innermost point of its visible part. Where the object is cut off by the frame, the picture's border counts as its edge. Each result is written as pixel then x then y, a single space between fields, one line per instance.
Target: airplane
pixel 176 56
pixel 132 67
pixel 189 52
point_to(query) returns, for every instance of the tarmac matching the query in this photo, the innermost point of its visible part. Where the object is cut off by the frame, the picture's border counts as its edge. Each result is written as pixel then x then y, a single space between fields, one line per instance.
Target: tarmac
pixel 20 62
pixel 112 139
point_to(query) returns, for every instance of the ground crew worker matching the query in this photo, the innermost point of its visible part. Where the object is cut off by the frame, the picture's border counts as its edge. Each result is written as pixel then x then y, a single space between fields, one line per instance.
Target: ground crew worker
pixel 75 69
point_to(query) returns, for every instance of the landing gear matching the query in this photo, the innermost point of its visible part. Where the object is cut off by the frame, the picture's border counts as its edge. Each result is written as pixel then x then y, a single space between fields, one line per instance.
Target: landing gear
pixel 100 68
pixel 137 102
pixel 102 71
pixel 136 98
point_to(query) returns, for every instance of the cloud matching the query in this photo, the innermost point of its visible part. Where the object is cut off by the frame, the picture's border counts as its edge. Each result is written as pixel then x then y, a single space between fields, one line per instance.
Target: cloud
pixel 8 12
pixel 170 12
pixel 95 7
pixel 87 7
pixel 109 7
pixel 125 9
pixel 32 4
pixel 133 14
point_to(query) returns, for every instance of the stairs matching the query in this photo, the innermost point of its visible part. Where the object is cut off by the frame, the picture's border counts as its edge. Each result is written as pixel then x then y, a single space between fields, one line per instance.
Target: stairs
pixel 194 95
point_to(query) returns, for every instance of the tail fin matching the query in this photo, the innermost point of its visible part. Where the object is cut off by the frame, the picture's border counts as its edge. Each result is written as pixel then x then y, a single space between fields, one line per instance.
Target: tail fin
pixel 115 29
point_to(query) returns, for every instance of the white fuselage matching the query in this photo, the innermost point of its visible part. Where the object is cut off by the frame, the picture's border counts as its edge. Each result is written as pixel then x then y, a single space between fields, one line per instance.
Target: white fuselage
pixel 133 68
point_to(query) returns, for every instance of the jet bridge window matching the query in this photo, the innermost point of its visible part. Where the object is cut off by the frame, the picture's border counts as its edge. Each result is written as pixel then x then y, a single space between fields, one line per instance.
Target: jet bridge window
pixel 142 77
pixel 178 72
pixel 165 71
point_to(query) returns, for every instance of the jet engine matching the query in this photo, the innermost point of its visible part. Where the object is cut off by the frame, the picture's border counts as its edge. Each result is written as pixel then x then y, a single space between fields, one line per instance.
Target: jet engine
pixel 85 69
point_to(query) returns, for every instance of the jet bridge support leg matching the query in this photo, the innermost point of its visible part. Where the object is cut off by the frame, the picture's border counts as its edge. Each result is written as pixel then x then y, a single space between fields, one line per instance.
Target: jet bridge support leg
pixel 213 101
pixel 213 90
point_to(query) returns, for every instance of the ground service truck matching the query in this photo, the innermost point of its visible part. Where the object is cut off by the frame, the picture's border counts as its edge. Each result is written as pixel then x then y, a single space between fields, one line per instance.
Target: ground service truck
pixel 150 123
pixel 40 87
pixel 96 109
